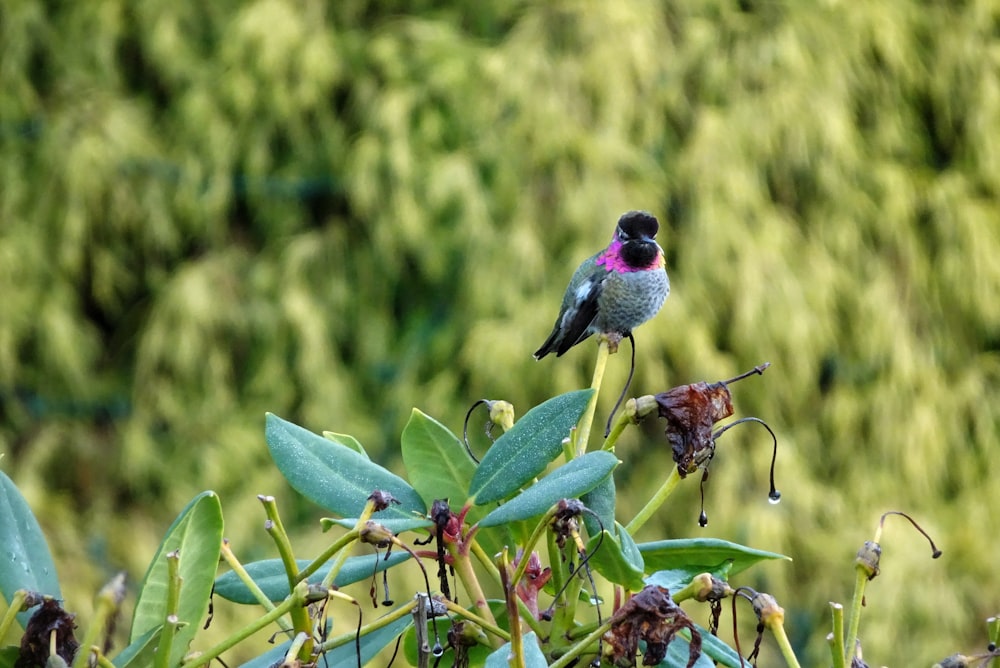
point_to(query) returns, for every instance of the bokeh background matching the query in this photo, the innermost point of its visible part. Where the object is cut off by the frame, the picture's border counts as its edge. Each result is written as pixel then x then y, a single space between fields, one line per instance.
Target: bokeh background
pixel 339 211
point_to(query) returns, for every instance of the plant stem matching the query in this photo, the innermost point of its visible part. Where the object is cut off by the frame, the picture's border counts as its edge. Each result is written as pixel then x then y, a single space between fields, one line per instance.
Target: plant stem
pixel 463 568
pixel 328 553
pixel 338 563
pixel 484 560
pixel 170 623
pixel 621 422
pixel 540 528
pixel 516 656
pixel 666 489
pixel 108 600
pixel 296 600
pixel 276 529
pixel 251 584
pixel 837 637
pixel 580 647
pixel 583 427
pixel 859 594
pixel 16 601
pixel 473 617
pixel 786 647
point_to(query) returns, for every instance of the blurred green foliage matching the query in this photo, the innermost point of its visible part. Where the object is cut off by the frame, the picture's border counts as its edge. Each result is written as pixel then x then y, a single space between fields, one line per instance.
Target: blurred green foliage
pixel 338 211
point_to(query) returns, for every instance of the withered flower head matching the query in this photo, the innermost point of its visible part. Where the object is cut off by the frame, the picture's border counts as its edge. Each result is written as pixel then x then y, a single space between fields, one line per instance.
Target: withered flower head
pixel 650 615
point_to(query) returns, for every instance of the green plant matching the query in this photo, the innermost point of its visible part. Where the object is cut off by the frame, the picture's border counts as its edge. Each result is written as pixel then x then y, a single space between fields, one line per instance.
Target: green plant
pixel 487 523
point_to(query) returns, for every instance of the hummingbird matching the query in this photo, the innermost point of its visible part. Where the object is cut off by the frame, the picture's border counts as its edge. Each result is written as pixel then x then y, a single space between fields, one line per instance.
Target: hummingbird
pixel 615 290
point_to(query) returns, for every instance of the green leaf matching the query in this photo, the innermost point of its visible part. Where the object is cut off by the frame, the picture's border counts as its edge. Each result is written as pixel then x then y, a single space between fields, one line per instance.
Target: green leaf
pixel 25 561
pixel 140 652
pixel 476 654
pixel 397 526
pixel 533 657
pixel 567 482
pixel 272 657
pixel 719 651
pixel 333 475
pixel 701 553
pixel 675 579
pixel 371 644
pixel 601 502
pixel 197 536
pixel 437 463
pixel 348 441
pixel 524 451
pixel 9 656
pixel 617 558
pixel 270 576
pixel 678 653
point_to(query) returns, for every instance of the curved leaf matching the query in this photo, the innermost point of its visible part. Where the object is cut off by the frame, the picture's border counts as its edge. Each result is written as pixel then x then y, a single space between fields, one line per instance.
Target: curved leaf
pixel 601 502
pixel 679 652
pixel 617 558
pixel 270 576
pixel 25 560
pixel 197 535
pixel 397 526
pixel 272 657
pixel 721 653
pixel 675 579
pixel 704 554
pixel 533 657
pixel 347 440
pixel 524 451
pixel 371 644
pixel 140 652
pixel 567 482
pixel 436 461
pixel 333 475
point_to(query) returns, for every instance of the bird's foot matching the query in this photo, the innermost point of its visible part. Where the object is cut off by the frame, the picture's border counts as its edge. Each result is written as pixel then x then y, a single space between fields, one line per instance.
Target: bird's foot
pixel 612 339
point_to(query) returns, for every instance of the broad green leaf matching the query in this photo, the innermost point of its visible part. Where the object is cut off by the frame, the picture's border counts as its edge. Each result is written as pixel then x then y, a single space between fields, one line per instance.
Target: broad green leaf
pixel 197 536
pixel 396 526
pixel 270 576
pixel 139 653
pixel 617 558
pixel 524 451
pixel 567 482
pixel 601 502
pixel 533 657
pixel 25 561
pixel 723 654
pixel 675 579
pixel 348 441
pixel 371 644
pixel 436 461
pixel 702 553
pixel 333 475
pixel 678 653
pixel 270 658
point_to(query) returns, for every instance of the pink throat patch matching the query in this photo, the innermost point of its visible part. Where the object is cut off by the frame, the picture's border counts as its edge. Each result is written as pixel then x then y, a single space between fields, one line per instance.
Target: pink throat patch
pixel 613 260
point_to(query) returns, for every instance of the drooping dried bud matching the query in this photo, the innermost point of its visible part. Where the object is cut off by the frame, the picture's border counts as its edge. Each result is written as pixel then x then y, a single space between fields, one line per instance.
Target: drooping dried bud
pixel 382 499
pixel 48 619
pixel 690 412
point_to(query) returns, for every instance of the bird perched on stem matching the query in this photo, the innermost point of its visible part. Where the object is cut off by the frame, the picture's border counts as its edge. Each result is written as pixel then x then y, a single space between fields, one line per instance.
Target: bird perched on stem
pixel 615 290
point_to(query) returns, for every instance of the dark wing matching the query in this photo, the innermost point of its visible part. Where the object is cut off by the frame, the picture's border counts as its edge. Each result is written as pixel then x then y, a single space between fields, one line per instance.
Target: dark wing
pixel 581 313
